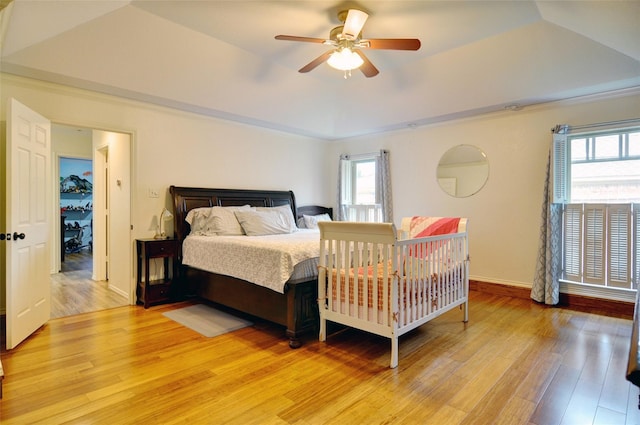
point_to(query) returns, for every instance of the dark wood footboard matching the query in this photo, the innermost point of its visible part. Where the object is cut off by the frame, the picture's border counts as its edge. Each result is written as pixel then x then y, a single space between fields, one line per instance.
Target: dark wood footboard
pixel 296 309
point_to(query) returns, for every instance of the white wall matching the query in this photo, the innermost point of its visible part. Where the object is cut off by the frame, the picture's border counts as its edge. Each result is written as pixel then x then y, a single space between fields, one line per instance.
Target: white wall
pixel 504 217
pixel 172 147
pixel 68 142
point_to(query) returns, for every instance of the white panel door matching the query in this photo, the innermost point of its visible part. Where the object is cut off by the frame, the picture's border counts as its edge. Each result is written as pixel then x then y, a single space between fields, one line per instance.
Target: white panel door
pixel 28 215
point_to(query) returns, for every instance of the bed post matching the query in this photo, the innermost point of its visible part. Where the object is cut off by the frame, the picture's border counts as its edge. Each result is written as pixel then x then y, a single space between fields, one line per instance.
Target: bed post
pixel 302 310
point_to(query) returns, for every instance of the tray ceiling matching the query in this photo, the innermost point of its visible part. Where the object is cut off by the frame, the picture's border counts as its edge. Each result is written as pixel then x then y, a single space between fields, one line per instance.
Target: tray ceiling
pixel 220 58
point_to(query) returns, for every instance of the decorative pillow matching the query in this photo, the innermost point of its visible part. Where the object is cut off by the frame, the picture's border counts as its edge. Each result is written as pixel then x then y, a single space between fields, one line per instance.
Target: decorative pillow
pixel 192 213
pixel 311 221
pixel 265 221
pixel 285 213
pixel 212 221
pixel 198 218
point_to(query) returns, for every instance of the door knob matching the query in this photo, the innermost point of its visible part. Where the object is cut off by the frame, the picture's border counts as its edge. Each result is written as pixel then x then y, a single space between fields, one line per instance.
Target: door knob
pixel 17 236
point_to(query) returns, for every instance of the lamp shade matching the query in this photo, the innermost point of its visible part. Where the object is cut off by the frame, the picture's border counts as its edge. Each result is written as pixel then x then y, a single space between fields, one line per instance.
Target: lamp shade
pixel 345 60
pixel 164 215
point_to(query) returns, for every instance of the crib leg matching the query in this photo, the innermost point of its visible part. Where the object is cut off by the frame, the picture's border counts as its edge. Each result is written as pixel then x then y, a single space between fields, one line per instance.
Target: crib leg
pixel 466 312
pixel 323 329
pixel 394 352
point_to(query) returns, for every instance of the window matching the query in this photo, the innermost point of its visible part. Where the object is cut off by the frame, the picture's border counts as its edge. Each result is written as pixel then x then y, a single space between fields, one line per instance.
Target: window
pixel 597 178
pixel 360 188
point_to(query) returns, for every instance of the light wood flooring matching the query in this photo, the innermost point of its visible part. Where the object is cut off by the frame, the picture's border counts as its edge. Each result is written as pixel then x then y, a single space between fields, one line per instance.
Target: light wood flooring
pixel 515 362
pixel 73 291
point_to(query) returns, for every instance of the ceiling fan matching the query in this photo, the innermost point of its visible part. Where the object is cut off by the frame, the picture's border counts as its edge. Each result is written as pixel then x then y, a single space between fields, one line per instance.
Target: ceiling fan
pixel 347 43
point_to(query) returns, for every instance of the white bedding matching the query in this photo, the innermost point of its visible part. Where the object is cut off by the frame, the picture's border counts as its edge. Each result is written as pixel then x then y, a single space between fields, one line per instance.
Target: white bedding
pixel 268 261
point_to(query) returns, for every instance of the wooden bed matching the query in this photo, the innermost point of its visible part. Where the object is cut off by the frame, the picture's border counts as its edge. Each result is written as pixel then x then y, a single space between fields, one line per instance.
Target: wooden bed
pixel 296 309
pixel 373 281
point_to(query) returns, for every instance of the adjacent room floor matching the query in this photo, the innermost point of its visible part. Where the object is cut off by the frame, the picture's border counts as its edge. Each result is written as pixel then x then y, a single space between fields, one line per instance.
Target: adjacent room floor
pixel 74 292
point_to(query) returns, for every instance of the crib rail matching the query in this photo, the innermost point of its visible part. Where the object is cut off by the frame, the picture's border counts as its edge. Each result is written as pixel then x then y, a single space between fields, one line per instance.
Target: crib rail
pixel 346 249
pixel 432 276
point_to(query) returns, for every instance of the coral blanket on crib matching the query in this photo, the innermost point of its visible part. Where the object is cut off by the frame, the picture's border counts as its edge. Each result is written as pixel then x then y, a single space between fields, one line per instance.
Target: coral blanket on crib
pixel 421 227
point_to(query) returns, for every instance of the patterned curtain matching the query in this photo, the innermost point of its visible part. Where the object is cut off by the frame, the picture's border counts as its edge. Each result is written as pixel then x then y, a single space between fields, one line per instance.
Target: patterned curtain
pixel 546 282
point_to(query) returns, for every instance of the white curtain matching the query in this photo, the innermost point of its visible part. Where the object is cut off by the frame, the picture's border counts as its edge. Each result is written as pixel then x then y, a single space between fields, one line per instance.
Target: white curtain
pixel 341 213
pixel 383 172
pixel 383 184
pixel 546 282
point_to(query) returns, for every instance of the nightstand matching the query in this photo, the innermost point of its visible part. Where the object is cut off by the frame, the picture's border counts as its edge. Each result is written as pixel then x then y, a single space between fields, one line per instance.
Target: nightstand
pixel 159 290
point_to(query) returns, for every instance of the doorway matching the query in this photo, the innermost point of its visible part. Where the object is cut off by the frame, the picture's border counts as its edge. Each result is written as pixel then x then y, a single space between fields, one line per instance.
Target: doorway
pixel 76 285
pixel 76 214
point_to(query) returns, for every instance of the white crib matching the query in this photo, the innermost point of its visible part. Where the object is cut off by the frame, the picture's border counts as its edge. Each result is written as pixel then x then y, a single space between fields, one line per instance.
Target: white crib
pixel 418 279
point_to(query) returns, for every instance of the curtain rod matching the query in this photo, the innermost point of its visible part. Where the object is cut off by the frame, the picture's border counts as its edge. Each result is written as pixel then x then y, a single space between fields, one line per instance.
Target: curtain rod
pixel 362 155
pixel 566 128
pixel 605 124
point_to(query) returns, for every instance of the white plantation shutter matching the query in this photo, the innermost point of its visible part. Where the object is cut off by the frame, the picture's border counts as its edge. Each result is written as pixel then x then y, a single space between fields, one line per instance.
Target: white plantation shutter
pixel 573 242
pixel 619 240
pixel 601 244
pixel 594 243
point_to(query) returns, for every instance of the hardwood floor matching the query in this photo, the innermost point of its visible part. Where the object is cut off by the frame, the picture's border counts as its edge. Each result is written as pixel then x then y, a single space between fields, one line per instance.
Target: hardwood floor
pixel 81 260
pixel 515 362
pixel 73 291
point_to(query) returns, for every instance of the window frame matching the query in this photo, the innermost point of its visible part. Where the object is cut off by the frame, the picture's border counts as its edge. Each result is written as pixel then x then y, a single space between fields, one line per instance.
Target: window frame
pixel 352 210
pixel 600 240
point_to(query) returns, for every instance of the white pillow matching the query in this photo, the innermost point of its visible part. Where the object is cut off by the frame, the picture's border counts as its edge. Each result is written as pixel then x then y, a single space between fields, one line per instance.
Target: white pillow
pixel 285 214
pixel 311 221
pixel 224 222
pixel 265 221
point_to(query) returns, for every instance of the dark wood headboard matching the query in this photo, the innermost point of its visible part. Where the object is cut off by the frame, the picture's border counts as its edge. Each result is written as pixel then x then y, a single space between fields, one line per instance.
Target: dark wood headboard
pixel 188 198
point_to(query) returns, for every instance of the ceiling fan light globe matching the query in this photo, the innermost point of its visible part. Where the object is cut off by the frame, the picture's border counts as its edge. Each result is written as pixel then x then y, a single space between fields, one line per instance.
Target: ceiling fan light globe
pixel 345 60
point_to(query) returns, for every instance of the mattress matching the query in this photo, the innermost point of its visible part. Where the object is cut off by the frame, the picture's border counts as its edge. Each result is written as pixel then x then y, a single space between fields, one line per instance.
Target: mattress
pixel 410 291
pixel 270 261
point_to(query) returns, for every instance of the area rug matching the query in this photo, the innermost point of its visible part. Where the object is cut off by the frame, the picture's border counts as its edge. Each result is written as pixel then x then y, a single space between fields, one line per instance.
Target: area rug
pixel 206 320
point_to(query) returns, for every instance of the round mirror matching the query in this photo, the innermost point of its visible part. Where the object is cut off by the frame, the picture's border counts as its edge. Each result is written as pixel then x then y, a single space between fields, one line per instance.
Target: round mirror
pixel 462 171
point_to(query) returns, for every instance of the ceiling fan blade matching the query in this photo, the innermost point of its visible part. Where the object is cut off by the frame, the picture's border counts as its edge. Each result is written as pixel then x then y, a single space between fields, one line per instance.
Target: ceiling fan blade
pixel 353 24
pixel 317 61
pixel 367 67
pixel 296 38
pixel 392 43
